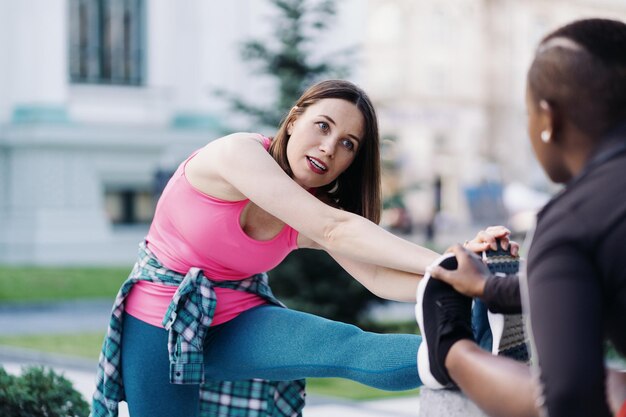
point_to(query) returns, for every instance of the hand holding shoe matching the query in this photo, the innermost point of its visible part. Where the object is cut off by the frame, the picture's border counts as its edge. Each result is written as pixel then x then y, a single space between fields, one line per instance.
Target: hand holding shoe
pixel 489 238
pixel 470 276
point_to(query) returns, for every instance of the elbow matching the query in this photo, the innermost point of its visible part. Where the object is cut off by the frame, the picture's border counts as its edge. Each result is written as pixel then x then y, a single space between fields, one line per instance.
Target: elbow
pixel 334 232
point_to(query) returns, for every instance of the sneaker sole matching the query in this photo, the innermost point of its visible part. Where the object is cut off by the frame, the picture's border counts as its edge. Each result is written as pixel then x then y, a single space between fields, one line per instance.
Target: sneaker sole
pixel 507 330
pixel 423 361
pixel 508 336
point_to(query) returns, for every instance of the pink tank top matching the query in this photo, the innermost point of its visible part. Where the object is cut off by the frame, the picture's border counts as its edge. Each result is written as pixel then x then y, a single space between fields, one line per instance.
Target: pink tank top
pixel 193 229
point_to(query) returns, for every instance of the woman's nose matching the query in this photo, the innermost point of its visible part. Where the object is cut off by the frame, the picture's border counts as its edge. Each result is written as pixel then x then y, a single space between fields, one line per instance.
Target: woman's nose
pixel 327 145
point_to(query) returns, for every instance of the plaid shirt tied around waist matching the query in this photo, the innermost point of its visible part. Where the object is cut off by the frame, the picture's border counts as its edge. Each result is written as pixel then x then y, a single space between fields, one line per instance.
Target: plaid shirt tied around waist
pixel 187 320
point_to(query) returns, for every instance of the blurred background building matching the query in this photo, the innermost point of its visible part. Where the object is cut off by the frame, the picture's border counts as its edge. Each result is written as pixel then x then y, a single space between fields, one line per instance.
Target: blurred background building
pixel 448 77
pixel 101 99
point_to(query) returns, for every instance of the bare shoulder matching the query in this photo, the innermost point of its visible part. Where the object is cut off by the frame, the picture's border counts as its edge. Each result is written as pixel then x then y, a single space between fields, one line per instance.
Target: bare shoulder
pixel 231 140
pixel 214 152
pixel 205 171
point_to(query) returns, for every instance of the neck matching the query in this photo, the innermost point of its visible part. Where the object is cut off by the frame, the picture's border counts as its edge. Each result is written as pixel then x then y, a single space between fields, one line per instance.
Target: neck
pixel 578 148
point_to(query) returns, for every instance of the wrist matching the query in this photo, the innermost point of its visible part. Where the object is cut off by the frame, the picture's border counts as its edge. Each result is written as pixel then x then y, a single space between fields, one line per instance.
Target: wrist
pixel 479 290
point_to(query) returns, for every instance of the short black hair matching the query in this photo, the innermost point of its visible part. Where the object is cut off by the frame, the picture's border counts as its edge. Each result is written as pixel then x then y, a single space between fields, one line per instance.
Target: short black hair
pixel 586 80
pixel 603 38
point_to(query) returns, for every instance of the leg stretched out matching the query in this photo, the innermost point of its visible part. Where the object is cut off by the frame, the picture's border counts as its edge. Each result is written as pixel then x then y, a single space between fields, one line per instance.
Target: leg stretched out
pixel 275 343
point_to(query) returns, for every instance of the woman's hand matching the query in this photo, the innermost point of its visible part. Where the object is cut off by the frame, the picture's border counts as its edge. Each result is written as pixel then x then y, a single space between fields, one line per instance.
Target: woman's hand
pixel 487 239
pixel 470 276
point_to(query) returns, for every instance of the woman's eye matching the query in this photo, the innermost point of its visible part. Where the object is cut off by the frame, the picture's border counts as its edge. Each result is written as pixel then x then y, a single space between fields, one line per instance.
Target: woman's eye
pixel 323 126
pixel 348 144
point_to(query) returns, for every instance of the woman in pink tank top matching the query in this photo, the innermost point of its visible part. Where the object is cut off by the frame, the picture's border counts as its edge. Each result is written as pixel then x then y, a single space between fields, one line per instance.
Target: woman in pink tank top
pixel 236 208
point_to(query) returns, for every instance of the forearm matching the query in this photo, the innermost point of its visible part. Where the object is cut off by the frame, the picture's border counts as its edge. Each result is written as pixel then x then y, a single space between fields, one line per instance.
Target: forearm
pixel 386 283
pixel 502 294
pixel 360 240
pixel 498 385
pixel 395 285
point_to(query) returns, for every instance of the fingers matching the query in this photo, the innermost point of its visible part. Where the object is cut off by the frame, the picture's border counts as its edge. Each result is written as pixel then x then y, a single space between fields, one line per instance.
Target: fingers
pixel 467 279
pixel 461 254
pixel 479 244
pixel 488 239
pixel 498 231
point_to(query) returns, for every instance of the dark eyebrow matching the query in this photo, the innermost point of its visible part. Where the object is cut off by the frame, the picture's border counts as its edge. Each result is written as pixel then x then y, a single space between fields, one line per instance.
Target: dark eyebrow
pixel 333 122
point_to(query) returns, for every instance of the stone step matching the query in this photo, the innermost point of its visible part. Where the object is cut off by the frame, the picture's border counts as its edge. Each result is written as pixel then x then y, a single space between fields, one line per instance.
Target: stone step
pixel 445 403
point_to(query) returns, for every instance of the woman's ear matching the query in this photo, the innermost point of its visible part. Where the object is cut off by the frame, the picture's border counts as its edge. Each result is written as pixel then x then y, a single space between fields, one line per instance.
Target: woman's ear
pixel 292 118
pixel 548 121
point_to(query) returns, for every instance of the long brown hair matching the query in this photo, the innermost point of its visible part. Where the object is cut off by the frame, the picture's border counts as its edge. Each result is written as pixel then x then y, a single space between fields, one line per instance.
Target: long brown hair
pixel 357 189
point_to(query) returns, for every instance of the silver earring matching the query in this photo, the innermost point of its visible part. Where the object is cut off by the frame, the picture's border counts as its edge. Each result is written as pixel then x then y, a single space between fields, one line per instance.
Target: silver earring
pixel 546 135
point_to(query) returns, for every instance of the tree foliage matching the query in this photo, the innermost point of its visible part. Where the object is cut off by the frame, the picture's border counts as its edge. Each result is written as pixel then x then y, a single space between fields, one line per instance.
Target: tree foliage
pixel 289 61
pixel 310 280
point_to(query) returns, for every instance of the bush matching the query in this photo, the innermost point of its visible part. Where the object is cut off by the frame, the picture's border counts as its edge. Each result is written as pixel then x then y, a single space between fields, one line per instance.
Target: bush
pixel 311 281
pixel 38 392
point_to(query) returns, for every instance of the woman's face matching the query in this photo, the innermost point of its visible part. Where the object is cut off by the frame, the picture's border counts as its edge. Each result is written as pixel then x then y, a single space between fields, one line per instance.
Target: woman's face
pixel 548 154
pixel 324 140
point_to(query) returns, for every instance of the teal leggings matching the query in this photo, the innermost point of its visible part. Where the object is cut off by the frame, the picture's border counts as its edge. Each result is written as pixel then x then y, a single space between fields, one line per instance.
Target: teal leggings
pixel 266 342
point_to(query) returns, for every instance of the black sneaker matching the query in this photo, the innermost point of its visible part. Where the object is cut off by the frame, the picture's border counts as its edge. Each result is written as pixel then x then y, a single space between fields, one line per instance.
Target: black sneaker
pixel 444 317
pixel 509 338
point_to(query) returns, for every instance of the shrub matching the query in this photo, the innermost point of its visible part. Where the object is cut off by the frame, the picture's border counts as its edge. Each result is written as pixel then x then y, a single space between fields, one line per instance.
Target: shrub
pixel 311 281
pixel 39 392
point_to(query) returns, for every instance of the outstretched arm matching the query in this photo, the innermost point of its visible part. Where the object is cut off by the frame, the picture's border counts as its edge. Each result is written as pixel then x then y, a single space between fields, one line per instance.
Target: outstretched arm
pixel 238 167
pixel 397 285
pixel 386 283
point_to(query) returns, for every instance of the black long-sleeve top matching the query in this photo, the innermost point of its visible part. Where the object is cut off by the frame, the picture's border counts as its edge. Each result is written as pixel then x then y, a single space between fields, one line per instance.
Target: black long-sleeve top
pixel 577 284
pixel 502 294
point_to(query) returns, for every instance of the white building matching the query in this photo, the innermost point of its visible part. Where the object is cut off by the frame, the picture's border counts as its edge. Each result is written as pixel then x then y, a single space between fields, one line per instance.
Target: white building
pixel 99 96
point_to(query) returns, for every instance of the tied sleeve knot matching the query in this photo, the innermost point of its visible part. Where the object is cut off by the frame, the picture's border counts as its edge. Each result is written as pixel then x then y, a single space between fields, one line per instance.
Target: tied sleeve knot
pixel 191 310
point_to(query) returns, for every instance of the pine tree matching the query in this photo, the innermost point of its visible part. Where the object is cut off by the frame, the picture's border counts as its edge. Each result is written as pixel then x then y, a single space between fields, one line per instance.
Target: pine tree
pixel 290 63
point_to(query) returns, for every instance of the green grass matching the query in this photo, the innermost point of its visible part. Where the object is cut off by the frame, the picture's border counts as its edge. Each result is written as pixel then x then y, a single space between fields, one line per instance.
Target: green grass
pixel 344 388
pixel 85 345
pixel 24 284
pixel 88 345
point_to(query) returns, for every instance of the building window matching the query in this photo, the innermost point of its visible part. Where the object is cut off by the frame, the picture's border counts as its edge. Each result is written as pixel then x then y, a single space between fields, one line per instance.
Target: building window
pixel 106 41
pixel 127 206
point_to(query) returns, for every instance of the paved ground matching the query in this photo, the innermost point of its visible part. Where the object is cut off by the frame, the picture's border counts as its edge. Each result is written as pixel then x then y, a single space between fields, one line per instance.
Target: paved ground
pixel 80 316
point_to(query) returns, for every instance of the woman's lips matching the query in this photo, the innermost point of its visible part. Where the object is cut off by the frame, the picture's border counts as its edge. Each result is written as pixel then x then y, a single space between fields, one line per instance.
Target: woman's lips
pixel 316 165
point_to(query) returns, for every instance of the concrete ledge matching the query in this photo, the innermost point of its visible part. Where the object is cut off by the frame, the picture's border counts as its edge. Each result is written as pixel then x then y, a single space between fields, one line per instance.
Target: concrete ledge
pixel 444 403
